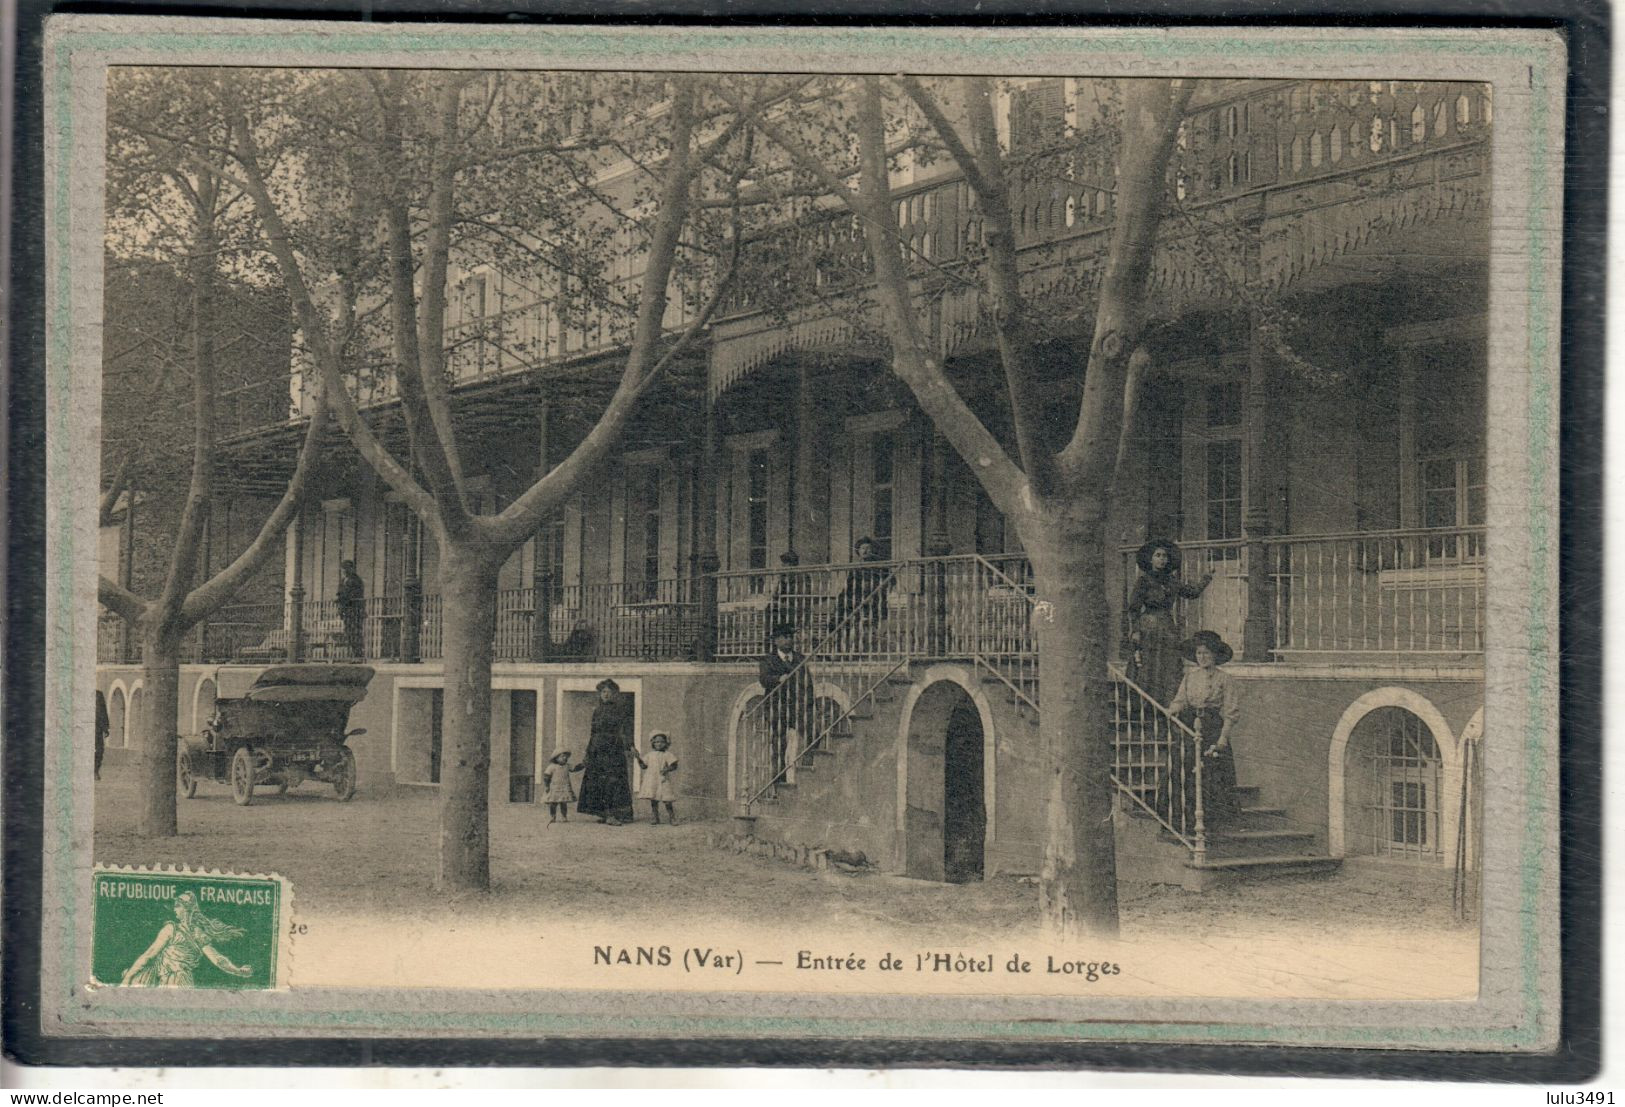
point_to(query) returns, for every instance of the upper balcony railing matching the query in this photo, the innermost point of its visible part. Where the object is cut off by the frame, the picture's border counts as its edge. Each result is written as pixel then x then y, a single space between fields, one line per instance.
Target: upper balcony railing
pixel 1412 594
pixel 1290 133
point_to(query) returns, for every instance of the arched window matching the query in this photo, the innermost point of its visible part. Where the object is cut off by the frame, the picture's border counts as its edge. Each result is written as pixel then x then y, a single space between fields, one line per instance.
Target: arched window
pixel 1419 125
pixel 1376 134
pixel 1337 144
pixel 118 734
pixel 1316 156
pixel 1464 110
pixel 1398 770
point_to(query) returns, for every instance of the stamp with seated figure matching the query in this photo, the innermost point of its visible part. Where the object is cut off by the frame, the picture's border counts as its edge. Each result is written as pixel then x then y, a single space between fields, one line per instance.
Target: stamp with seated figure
pixel 183 929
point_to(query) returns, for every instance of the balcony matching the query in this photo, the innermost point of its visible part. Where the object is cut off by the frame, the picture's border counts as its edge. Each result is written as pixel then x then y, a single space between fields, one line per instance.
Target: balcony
pixel 1410 596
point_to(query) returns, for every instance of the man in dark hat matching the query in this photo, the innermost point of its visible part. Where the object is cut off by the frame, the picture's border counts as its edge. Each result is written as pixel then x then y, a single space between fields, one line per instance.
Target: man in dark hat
pixel 352 605
pixel 788 682
pixel 862 604
pixel 606 785
pixel 791 602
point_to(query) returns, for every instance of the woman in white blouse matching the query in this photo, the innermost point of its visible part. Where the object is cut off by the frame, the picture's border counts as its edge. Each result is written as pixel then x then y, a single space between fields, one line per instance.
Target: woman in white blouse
pixel 1206 703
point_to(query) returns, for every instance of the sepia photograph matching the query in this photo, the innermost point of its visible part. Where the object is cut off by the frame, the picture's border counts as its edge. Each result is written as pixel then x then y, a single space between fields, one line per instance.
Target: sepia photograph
pixel 984 534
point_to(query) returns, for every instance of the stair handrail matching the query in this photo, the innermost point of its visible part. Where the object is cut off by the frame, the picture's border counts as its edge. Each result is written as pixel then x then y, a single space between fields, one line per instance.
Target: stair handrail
pixel 1177 728
pixel 1009 684
pixel 1197 843
pixel 824 732
pixel 1004 577
pixel 1117 673
pixel 833 634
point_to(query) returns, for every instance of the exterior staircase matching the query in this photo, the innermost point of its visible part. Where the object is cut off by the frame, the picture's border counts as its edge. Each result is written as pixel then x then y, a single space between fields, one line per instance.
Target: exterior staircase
pixel 839 788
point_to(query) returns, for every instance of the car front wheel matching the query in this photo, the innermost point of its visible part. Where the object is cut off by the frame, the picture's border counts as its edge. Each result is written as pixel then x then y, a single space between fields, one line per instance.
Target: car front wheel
pixel 242 776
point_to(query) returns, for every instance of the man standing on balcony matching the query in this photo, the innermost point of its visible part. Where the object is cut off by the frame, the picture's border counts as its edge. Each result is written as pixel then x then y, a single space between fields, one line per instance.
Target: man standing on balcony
pixel 352 605
pixel 788 683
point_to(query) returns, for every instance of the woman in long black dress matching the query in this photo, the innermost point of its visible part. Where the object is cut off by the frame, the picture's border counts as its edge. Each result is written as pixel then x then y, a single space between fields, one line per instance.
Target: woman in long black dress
pixel 1206 703
pixel 606 786
pixel 1154 634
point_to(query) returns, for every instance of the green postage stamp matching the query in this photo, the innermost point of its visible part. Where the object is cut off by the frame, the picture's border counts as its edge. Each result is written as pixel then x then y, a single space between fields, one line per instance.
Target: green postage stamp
pixel 180 929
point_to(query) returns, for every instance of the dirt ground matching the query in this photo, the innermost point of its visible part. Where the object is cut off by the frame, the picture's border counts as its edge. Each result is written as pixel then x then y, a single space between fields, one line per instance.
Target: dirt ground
pixel 377 854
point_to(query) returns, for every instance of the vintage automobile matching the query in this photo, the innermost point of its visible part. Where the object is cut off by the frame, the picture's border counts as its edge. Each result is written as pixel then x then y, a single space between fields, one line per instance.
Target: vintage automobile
pixel 277 726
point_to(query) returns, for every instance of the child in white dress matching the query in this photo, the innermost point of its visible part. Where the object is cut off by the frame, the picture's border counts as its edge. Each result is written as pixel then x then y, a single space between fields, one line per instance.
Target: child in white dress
pixel 656 785
pixel 557 792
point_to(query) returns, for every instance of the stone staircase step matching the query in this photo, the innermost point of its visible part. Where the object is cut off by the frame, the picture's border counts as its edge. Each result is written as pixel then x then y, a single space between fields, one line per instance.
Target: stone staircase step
pixel 1259 843
pixel 1263 818
pixel 1268 867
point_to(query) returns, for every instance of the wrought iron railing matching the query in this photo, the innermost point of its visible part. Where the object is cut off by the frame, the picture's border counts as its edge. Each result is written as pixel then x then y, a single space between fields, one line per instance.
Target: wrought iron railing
pixel 1357 595
pixel 1403 592
pixel 1268 135
pixel 839 679
pixel 1397 592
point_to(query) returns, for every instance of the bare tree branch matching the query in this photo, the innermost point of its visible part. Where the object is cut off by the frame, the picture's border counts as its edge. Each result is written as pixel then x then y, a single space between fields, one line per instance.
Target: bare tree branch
pixel 912 358
pixel 213 593
pixel 120 601
pixel 1152 112
pixel 1011 325
pixel 523 515
pixel 316 338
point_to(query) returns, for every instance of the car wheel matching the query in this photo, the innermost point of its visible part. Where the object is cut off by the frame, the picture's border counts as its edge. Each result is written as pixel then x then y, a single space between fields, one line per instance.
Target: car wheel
pixel 242 776
pixel 185 778
pixel 344 779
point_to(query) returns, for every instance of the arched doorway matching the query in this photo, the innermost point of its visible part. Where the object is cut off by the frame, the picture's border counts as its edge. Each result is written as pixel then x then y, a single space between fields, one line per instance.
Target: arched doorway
pixel 117 735
pixel 964 814
pixel 944 818
pixel 1395 788
pixel 132 717
pixel 202 703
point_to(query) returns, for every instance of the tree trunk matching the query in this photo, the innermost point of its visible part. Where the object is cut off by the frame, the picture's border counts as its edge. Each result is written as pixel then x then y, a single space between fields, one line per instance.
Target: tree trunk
pixel 1078 887
pixel 468 621
pixel 159 748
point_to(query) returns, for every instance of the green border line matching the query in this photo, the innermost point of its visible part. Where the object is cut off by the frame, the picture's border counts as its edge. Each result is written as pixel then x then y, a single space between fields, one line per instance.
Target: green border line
pixel 591 45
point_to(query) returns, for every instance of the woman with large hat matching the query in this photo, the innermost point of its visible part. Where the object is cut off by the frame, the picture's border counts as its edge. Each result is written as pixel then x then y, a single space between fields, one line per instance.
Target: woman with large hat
pixel 606 785
pixel 1154 634
pixel 1206 703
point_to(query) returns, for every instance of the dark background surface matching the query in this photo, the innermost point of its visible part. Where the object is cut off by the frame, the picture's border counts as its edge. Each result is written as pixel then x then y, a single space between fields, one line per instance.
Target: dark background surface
pixel 1587 26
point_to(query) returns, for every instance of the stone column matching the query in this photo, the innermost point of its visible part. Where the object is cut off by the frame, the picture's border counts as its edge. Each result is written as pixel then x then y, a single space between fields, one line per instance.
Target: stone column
pixel 127 646
pixel 937 544
pixel 541 569
pixel 1263 483
pixel 811 518
pixel 296 594
pixel 705 563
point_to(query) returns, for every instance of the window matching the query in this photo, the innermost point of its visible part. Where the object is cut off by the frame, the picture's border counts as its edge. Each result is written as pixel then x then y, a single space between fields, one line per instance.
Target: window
pixel 757 474
pixel 1037 114
pixel 1405 775
pixel 643 533
pixel 883 457
pixel 1224 404
pixel 989 525
pixel 1223 490
pixel 550 558
pixel 1450 446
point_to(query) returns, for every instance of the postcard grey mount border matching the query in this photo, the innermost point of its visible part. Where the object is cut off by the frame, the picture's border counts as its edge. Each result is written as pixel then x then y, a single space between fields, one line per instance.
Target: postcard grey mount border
pixel 1518 1001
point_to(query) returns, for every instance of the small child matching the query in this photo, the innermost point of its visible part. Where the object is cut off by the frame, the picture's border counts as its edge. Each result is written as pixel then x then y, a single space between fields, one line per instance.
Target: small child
pixel 656 786
pixel 557 792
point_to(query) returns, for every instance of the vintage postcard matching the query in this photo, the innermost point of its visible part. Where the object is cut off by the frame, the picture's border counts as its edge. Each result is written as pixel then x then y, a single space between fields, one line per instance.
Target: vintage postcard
pixel 823 533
